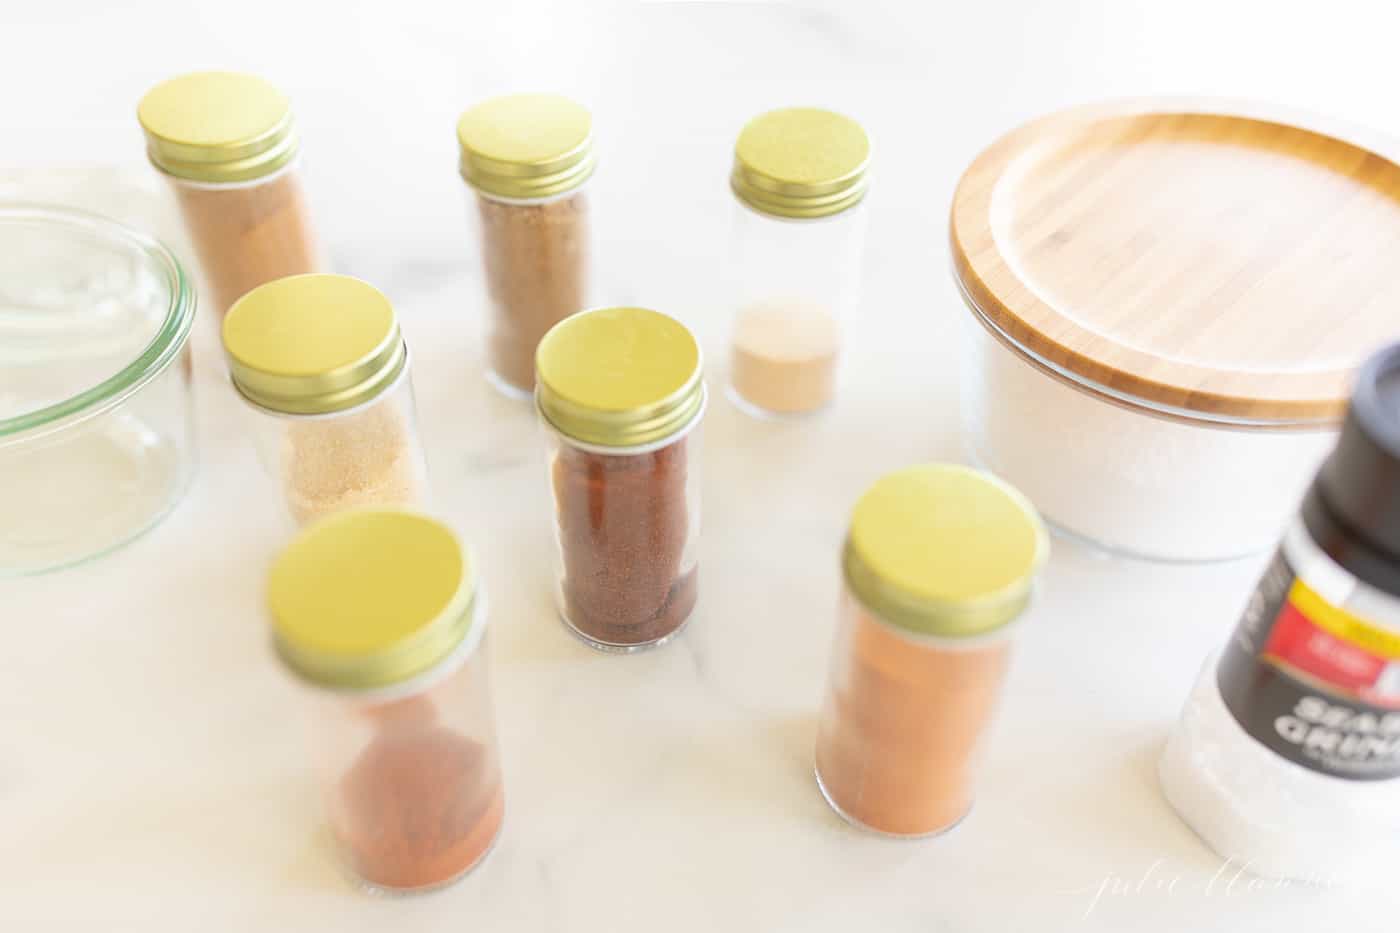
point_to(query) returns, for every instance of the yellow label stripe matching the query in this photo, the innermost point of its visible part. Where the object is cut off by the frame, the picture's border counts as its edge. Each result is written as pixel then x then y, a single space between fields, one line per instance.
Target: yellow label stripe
pixel 1343 624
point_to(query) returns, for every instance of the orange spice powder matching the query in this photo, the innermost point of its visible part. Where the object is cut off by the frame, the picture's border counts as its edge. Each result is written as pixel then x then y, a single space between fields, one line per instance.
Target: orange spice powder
pixel 898 740
pixel 249 234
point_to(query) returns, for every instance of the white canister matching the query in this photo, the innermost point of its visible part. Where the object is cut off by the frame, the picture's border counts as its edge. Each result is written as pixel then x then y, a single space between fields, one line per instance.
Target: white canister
pixel 1166 309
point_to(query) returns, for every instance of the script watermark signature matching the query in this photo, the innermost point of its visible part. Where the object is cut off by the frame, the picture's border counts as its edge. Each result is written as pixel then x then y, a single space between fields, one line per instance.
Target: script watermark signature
pixel 1234 878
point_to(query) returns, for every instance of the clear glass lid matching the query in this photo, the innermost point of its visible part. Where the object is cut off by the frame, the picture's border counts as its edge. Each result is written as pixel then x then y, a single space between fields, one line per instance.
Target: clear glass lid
pixel 89 311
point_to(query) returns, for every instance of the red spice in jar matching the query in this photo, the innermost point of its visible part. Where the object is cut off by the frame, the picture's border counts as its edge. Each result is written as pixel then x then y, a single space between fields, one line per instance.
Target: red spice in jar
pixel 623 526
pixel 420 807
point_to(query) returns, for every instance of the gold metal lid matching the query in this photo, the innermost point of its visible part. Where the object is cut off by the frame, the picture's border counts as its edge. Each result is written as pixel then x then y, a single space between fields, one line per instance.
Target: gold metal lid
pixel 217 126
pixel 801 163
pixel 944 550
pixel 370 598
pixel 313 344
pixel 619 377
pixel 526 145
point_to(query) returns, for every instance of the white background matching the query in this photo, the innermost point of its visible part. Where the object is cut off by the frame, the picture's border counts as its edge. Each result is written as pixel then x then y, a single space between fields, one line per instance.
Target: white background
pixel 152 774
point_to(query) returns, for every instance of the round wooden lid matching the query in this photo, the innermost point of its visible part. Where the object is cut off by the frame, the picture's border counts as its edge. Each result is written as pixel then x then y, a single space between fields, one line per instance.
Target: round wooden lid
pixel 1219 267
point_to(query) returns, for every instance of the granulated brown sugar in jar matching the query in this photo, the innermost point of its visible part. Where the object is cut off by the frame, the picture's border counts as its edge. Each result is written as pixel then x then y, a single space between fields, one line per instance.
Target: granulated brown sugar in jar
pixel 526 159
pixel 939 561
pixel 228 144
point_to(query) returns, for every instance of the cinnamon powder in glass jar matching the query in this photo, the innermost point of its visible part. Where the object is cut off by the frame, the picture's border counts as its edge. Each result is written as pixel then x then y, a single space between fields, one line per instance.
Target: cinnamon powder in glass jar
pixel 228 144
pixel 939 561
pixel 622 394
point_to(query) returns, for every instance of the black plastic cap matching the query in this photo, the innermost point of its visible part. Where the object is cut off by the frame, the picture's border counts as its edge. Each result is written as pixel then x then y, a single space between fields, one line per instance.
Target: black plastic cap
pixel 1360 482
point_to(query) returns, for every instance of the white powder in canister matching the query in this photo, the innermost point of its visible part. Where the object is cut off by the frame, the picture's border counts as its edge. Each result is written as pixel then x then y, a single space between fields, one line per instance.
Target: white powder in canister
pixel 784 356
pixel 1268 815
pixel 1129 481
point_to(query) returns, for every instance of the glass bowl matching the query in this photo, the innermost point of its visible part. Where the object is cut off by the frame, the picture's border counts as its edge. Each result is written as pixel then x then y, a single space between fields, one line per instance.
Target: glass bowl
pixel 96 432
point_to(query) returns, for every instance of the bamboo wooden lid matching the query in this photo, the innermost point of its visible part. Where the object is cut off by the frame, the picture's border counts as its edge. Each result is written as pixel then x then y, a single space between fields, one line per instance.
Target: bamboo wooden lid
pixel 1217 267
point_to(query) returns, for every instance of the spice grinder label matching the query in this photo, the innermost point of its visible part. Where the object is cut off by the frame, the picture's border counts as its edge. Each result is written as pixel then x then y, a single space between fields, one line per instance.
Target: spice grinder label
pixel 1313 682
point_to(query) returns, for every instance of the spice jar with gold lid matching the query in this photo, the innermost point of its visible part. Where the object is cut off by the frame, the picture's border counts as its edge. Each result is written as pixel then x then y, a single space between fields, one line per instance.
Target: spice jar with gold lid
pixel 380 613
pixel 938 563
pixel 800 178
pixel 324 369
pixel 228 144
pixel 621 393
pixel 526 159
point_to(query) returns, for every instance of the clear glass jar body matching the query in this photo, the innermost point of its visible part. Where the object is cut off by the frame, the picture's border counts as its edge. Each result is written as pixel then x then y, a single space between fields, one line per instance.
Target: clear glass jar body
pixel 411 775
pixel 96 423
pixel 249 233
pixel 1128 481
pixel 796 286
pixel 903 721
pixel 536 270
pixel 1255 807
pixel 627 529
pixel 370 455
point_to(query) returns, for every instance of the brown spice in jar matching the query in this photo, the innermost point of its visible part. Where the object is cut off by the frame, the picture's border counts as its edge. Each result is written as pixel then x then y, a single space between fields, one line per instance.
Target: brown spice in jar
pixel 368 457
pixel 247 235
pixel 420 807
pixel 898 741
pixel 536 258
pixel 623 525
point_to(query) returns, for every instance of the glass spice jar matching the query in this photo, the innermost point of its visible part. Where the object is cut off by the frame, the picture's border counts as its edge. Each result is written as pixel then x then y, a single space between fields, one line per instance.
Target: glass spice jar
pixel 323 367
pixel 228 144
pixel 380 612
pixel 938 563
pixel 800 180
pixel 620 390
pixel 526 159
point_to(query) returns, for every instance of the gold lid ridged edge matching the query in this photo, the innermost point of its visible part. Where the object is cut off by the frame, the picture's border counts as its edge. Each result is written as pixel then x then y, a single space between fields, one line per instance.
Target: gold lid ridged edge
pixel 633 428
pixel 515 182
pixel 225 163
pixel 657 422
pixel 417 655
pixel 347 387
pixel 948 618
pixel 792 202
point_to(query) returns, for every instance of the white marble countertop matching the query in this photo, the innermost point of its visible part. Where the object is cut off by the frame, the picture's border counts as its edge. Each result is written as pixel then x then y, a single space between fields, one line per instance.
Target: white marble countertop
pixel 152 771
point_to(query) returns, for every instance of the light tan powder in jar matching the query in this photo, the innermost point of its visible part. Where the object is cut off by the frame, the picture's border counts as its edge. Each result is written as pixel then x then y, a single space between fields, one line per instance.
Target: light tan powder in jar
pixel 365 458
pixel 249 234
pixel 784 356
pixel 536 261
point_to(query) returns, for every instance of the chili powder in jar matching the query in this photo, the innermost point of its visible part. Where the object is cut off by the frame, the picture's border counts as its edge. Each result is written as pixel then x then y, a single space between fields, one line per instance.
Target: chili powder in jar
pixel 621 392
pixel 380 610
pixel 938 563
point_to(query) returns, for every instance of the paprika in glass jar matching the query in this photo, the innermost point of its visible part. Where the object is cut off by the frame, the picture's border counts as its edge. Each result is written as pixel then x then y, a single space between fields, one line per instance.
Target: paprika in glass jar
pixel 380 612
pixel 939 561
pixel 621 393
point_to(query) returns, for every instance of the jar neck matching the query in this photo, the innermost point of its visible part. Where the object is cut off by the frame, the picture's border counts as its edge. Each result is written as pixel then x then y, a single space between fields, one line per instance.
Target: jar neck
pixel 1330 538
